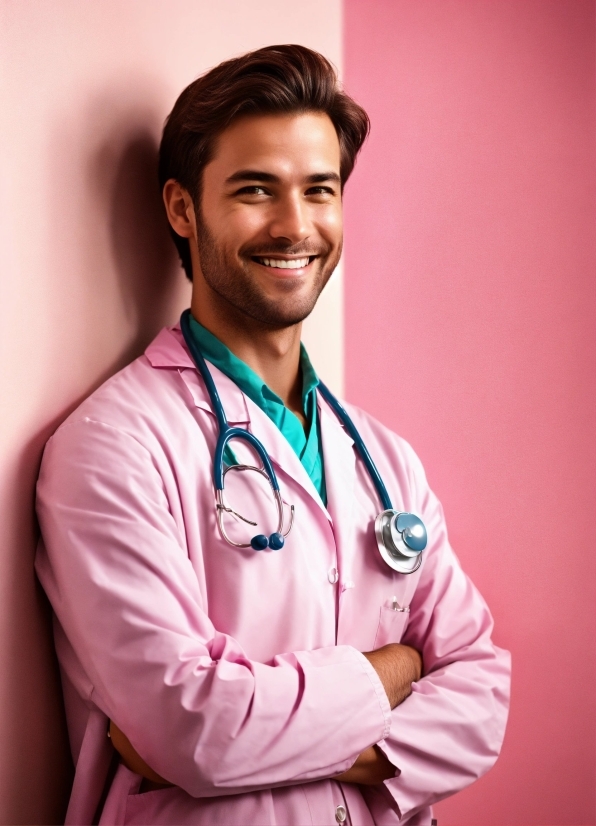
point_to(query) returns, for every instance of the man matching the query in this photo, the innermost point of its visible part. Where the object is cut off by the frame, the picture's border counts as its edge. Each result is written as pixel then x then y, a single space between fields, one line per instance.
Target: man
pixel 308 685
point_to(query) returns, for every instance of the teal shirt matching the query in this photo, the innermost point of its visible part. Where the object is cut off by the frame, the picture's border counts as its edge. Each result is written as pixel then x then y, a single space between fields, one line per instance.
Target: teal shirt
pixel 306 444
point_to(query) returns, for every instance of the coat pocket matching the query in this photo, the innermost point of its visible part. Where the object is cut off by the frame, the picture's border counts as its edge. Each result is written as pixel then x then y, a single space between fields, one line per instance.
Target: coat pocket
pixel 393 619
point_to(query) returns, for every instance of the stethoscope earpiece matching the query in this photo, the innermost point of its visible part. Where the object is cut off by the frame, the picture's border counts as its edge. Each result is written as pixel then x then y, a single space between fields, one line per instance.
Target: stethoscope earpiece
pixel 259 542
pixel 276 541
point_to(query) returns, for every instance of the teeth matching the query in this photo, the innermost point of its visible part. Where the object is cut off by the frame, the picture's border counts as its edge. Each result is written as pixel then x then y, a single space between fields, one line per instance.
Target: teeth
pixel 283 264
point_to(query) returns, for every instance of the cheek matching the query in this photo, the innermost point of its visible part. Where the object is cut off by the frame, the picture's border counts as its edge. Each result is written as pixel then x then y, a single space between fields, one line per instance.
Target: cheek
pixel 331 226
pixel 241 225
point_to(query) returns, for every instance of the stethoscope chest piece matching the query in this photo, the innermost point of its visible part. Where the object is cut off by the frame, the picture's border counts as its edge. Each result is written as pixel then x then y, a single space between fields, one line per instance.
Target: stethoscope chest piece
pixel 401 538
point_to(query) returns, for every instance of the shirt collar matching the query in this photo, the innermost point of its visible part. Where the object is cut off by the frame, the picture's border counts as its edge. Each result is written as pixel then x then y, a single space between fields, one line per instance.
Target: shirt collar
pixel 310 380
pixel 168 351
pixel 247 380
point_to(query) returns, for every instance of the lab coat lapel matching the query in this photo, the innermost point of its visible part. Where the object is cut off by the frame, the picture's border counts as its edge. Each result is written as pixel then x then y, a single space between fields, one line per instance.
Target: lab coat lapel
pixel 233 400
pixel 281 453
pixel 168 350
pixel 340 479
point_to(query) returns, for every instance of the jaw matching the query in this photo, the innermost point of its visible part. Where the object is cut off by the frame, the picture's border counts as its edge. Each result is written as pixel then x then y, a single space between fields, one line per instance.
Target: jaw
pixel 232 291
pixel 275 297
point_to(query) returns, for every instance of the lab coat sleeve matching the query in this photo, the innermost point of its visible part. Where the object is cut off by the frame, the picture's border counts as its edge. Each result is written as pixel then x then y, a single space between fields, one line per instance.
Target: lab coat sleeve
pixel 193 705
pixel 449 731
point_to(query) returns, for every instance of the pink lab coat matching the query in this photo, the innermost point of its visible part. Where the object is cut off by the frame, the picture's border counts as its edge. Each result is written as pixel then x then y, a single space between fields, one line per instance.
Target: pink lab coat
pixel 237 675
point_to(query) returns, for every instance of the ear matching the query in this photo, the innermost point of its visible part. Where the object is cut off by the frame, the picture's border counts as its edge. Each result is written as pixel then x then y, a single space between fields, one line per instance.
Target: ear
pixel 179 209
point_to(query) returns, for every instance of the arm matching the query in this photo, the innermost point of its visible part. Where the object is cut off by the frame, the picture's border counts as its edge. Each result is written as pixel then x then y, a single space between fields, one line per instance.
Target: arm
pixel 398 666
pixel 197 710
pixel 131 758
pixel 371 767
pixel 449 730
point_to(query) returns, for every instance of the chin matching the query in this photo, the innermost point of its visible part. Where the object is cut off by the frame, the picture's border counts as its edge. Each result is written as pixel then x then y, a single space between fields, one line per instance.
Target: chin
pixel 276 311
pixel 279 317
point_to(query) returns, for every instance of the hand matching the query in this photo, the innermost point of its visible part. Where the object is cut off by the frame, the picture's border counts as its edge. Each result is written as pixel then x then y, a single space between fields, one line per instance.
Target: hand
pixel 131 758
pixel 398 666
pixel 371 767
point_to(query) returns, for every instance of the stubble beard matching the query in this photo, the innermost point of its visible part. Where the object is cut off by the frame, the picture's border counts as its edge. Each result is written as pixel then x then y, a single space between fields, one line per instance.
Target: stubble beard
pixel 233 282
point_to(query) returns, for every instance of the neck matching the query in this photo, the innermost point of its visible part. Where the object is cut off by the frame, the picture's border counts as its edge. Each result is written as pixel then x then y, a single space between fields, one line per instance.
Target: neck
pixel 273 354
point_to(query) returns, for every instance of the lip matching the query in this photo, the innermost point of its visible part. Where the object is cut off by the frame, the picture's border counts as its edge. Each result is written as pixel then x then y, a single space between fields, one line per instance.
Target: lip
pixel 284 272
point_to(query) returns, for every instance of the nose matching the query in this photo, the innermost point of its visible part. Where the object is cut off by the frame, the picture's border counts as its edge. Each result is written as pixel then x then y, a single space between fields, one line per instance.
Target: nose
pixel 290 220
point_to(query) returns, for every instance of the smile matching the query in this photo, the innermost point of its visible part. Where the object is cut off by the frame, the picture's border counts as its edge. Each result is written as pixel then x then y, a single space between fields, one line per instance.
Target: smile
pixel 285 263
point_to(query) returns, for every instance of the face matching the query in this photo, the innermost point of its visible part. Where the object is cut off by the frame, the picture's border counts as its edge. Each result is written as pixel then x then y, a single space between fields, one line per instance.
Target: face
pixel 269 226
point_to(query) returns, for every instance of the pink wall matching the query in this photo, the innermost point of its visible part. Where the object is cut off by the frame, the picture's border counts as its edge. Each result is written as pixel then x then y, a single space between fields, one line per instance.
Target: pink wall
pixel 473 204
pixel 87 273
pixel 470 320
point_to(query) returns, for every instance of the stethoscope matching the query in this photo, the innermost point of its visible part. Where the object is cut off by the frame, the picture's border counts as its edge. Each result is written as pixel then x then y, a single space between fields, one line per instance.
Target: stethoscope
pixel 401 537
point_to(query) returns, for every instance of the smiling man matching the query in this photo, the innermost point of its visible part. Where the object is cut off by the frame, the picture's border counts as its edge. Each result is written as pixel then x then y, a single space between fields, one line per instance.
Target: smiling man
pixel 275 653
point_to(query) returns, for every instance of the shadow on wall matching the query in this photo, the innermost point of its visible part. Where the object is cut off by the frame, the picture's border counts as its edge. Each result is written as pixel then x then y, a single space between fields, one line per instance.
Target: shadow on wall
pixel 36 763
pixel 115 268
pixel 111 281
pixel 142 251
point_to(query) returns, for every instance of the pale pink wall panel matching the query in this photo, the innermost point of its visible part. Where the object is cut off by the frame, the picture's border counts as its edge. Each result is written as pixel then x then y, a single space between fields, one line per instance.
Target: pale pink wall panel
pixel 470 319
pixel 87 273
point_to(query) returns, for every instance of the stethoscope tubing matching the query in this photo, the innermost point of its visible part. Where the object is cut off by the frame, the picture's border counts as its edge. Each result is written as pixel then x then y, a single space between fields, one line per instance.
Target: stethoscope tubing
pixel 396 552
pixel 349 425
pixel 239 433
pixel 226 432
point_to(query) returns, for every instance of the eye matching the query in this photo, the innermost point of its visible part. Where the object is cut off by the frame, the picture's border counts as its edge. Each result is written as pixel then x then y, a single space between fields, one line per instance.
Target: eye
pixel 252 190
pixel 321 191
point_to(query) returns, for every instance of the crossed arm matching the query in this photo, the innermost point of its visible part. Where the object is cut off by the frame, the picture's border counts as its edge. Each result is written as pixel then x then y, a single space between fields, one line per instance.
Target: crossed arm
pixel 448 733
pixel 398 666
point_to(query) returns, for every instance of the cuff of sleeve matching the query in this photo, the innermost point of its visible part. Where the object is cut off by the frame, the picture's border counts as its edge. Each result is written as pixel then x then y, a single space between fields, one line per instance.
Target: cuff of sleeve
pixel 409 801
pixel 379 691
pixel 348 706
pixel 382 744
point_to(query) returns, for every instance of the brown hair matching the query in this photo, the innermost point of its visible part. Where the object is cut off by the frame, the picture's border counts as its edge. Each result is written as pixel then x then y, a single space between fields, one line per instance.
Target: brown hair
pixel 276 79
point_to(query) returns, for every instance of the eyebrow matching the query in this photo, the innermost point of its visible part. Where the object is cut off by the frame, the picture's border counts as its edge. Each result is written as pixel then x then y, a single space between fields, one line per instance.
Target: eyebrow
pixel 268 178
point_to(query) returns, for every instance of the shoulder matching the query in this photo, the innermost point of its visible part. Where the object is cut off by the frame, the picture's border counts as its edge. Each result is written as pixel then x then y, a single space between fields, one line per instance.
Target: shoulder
pixel 397 463
pixel 384 442
pixel 136 401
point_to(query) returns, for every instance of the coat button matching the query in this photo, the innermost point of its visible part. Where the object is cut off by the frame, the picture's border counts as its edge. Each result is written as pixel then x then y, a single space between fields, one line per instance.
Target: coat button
pixel 332 575
pixel 341 814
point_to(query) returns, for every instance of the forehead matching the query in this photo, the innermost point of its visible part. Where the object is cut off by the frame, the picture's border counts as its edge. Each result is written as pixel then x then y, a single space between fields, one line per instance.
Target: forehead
pixel 285 145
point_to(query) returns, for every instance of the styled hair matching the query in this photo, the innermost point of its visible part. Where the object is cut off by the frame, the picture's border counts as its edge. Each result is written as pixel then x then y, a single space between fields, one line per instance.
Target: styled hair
pixel 274 80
